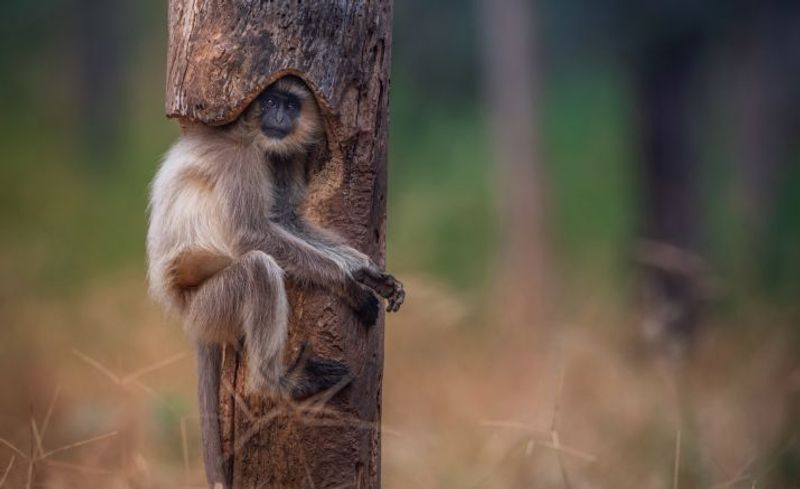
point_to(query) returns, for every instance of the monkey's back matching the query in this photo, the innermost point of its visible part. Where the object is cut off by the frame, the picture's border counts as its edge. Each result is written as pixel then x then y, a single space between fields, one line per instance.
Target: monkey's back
pixel 187 215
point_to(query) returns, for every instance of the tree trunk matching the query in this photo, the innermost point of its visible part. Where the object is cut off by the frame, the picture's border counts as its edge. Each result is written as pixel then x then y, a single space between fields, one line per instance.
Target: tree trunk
pixel 672 271
pixel 526 285
pixel 221 55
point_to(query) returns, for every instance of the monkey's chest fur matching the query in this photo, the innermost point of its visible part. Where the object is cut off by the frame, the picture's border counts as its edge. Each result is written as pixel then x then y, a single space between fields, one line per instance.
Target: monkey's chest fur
pixel 287 181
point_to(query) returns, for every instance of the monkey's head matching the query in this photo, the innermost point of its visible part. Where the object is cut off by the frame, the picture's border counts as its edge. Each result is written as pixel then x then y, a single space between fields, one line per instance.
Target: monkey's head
pixel 286 117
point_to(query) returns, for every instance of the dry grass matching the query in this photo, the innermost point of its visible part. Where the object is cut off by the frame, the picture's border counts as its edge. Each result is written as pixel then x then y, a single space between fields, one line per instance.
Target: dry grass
pixel 98 392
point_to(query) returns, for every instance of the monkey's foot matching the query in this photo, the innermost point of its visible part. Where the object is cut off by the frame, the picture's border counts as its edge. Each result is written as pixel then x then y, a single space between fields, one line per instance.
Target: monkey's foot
pixel 368 308
pixel 310 375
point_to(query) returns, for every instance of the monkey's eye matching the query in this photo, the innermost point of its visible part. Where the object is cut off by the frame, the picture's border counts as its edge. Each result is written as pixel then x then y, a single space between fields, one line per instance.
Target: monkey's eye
pixel 292 106
pixel 270 102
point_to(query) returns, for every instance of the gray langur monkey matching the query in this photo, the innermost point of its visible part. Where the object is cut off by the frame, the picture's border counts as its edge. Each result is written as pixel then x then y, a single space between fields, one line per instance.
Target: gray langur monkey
pixel 226 230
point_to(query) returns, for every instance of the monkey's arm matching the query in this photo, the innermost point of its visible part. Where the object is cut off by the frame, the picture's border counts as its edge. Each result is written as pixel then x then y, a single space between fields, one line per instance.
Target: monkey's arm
pixel 308 264
pixel 329 241
pixel 358 265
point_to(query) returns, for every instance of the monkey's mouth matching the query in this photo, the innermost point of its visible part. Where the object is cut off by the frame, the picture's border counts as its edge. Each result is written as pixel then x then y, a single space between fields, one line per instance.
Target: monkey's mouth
pixel 274 133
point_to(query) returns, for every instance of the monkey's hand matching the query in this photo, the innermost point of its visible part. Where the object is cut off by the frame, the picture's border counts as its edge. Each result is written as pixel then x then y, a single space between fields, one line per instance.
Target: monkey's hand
pixel 384 284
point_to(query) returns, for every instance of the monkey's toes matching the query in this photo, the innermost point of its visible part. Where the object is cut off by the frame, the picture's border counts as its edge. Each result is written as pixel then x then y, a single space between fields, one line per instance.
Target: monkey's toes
pixel 320 375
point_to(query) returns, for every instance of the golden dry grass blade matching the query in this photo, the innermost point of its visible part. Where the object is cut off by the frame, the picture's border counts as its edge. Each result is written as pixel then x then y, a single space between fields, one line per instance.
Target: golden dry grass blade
pixel 587 457
pixel 80 443
pixel 514 425
pixel 319 401
pixel 240 403
pixel 49 414
pixel 728 484
pixel 7 471
pixel 29 480
pixel 740 475
pixel 559 391
pixel 97 365
pixel 677 467
pixel 78 468
pixel 311 484
pixel 548 444
pixel 560 457
pixel 37 439
pixel 185 448
pixel 257 426
pixel 327 422
pixel 147 389
pixel 13 448
pixel 152 368
pixel 31 461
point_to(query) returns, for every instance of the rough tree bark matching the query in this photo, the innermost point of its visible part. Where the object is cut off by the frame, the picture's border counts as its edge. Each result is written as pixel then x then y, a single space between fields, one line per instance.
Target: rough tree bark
pixel 221 55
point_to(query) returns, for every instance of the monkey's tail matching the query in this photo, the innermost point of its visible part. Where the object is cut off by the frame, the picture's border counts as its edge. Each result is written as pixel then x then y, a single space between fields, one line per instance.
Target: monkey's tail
pixel 209 363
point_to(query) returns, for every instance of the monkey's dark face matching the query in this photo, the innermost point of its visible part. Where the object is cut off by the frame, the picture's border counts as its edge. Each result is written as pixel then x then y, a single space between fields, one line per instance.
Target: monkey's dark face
pixel 285 118
pixel 279 112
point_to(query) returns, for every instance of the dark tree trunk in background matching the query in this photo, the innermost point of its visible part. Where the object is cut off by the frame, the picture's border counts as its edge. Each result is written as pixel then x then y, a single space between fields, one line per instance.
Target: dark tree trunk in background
pixel 672 271
pixel 102 52
pixel 511 83
pixel 221 55
pixel 766 104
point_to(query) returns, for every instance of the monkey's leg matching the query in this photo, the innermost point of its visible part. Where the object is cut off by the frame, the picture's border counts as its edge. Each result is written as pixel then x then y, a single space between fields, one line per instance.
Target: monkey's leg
pixel 248 297
pixel 265 325
pixel 245 297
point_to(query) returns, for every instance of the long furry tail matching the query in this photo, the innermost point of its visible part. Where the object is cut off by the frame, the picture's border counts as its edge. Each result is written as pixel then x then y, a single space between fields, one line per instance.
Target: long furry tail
pixel 209 363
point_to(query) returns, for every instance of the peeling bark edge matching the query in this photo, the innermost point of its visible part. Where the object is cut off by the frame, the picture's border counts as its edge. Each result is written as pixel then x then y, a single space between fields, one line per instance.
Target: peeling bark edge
pixel 234 111
pixel 223 53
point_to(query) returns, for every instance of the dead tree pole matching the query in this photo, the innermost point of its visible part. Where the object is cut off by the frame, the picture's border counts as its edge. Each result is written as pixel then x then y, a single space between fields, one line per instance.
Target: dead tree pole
pixel 221 55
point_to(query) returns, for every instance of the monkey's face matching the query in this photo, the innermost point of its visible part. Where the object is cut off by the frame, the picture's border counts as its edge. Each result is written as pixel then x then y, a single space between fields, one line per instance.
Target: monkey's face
pixel 285 117
pixel 280 111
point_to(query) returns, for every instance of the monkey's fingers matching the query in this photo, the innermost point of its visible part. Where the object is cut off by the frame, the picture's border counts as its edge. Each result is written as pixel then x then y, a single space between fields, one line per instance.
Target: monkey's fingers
pixel 397 298
pixel 382 283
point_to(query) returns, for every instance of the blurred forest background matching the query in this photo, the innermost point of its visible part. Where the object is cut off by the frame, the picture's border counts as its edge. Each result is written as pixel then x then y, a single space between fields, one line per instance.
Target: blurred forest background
pixel 595 207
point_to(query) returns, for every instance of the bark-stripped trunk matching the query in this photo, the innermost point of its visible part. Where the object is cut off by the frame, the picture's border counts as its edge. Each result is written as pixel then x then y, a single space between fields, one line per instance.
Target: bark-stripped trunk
pixel 221 55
